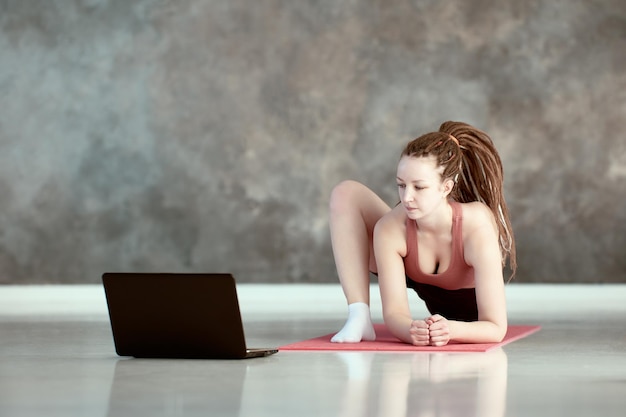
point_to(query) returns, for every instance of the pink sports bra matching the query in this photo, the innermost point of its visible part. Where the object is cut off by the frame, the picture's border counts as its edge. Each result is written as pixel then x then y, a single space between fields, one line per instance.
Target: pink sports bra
pixel 458 274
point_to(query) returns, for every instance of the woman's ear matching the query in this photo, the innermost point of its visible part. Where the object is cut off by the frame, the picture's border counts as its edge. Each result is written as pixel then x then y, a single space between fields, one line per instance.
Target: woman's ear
pixel 448 185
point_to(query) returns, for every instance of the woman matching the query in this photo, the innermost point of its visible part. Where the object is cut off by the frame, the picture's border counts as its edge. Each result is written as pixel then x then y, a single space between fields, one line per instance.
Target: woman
pixel 447 239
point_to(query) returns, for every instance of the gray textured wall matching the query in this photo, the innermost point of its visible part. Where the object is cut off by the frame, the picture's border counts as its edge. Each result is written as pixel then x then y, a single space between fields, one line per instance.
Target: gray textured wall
pixel 198 135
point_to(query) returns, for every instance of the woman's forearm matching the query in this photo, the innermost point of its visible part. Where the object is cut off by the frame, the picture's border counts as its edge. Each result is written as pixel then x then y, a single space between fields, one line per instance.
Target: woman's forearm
pixel 477 331
pixel 462 332
pixel 399 326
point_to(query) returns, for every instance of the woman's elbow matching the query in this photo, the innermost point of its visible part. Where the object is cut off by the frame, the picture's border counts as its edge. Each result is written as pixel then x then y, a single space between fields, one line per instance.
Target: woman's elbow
pixel 499 333
pixel 493 331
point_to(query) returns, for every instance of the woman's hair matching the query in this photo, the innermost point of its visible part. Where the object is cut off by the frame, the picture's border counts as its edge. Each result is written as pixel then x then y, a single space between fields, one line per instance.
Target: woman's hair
pixel 470 159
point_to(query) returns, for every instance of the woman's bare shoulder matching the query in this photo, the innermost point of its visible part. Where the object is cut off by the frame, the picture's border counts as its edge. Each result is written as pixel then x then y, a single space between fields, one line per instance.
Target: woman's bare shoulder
pixel 396 217
pixel 390 231
pixel 393 223
pixel 476 215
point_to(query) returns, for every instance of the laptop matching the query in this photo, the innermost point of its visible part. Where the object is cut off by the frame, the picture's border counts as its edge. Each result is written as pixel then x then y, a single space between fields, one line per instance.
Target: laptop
pixel 169 315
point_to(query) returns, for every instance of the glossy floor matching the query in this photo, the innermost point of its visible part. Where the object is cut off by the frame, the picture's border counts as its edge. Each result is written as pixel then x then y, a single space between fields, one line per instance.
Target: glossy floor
pixel 57 359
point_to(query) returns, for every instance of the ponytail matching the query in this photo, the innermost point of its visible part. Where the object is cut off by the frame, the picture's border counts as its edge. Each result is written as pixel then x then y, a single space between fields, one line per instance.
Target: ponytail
pixel 481 178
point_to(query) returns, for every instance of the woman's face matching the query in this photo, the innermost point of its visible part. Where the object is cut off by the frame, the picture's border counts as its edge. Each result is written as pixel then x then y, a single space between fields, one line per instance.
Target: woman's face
pixel 420 186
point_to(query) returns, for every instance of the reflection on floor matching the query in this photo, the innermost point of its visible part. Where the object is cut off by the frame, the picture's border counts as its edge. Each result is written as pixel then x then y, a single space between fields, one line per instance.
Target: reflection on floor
pixel 57 359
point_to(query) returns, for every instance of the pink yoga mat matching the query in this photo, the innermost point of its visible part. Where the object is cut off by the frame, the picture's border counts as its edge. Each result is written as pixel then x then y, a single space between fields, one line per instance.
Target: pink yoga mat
pixel 386 342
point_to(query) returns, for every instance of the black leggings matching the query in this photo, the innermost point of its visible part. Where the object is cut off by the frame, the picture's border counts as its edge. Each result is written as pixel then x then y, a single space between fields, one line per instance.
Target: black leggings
pixel 452 304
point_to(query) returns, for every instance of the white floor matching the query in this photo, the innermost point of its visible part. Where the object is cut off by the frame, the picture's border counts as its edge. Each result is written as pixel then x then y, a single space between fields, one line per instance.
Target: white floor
pixel 57 359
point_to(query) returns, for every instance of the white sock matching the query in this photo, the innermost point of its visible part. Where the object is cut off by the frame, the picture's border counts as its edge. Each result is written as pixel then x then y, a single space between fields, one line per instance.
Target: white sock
pixel 358 326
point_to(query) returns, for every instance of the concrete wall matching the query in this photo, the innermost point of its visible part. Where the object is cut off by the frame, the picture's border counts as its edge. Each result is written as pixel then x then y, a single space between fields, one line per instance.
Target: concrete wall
pixel 195 135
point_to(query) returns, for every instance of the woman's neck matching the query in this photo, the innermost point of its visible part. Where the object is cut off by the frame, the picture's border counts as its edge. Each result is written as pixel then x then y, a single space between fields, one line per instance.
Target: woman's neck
pixel 438 222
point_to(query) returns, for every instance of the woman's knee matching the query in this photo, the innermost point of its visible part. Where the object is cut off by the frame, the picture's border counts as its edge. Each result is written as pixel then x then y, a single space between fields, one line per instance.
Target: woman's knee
pixel 344 196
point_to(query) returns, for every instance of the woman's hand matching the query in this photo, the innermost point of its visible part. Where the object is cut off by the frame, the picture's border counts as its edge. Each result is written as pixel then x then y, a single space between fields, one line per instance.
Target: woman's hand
pixel 438 330
pixel 419 333
pixel 433 331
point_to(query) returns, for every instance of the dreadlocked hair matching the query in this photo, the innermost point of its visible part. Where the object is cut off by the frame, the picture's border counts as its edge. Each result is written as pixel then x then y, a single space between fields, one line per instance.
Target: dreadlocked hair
pixel 469 157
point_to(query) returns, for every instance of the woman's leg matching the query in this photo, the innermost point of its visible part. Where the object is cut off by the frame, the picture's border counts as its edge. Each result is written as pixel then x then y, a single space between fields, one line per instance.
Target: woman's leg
pixel 354 211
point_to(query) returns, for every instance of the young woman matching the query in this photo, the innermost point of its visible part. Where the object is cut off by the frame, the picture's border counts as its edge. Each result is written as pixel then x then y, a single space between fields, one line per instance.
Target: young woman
pixel 448 239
